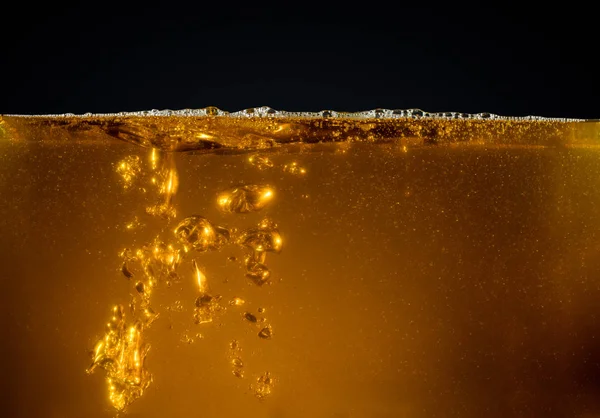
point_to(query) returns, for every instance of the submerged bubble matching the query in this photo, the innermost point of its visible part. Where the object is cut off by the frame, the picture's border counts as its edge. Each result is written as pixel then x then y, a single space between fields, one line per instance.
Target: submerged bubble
pixel 250 317
pixel 265 237
pixel 266 333
pixel 263 386
pixel 237 302
pixel 196 232
pixel 122 353
pixel 129 168
pixel 235 359
pixel 258 273
pixel 243 199
pixel 260 161
pixel 126 272
pixel 294 168
pixel 206 308
pixel 134 224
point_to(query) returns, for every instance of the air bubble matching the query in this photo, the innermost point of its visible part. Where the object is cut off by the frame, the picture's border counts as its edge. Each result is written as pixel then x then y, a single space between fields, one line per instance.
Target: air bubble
pixel 244 199
pixel 266 333
pixel 250 317
pixel 129 168
pixel 258 273
pixel 261 162
pixel 196 232
pixel 237 302
pixel 264 238
pixel 264 386
pixel 294 168
pixel 122 353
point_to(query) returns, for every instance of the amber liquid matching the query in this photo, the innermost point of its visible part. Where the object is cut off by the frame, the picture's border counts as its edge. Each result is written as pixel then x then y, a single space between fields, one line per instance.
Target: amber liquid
pixel 412 281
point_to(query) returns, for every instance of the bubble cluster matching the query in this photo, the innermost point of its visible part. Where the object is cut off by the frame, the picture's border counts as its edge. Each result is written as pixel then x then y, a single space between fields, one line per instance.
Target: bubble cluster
pixel 261 162
pixel 258 241
pixel 206 306
pixel 235 359
pixel 122 353
pixel 263 386
pixel 166 182
pixel 129 168
pixel 294 168
pixel 246 198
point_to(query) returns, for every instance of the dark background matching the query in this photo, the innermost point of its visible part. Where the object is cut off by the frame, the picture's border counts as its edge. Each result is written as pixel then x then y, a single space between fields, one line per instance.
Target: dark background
pixel 498 58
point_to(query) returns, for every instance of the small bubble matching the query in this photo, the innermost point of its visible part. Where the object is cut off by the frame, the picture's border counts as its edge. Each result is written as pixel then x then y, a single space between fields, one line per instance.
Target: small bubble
pixel 207 308
pixel 263 386
pixel 265 333
pixel 294 168
pixel 264 238
pixel 258 273
pixel 237 302
pixel 260 161
pixel 244 199
pixel 128 274
pixel 237 362
pixel 198 233
pixel 129 168
pixel 250 317
pixel 140 287
pixel 134 224
pixel 211 111
pixel 234 345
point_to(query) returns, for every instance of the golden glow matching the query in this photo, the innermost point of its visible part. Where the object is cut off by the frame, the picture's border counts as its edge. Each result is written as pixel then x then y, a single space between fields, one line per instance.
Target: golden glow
pixel 237 302
pixel 129 168
pixel 121 353
pixel 200 279
pixel 294 168
pixel 261 162
pixel 154 158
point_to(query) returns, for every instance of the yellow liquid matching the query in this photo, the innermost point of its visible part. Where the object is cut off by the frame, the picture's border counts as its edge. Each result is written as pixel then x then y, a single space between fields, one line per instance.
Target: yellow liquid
pixel 381 276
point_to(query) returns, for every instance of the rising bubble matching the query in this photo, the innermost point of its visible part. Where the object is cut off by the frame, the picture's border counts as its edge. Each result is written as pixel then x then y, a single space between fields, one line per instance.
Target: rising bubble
pixel 196 232
pixel 243 199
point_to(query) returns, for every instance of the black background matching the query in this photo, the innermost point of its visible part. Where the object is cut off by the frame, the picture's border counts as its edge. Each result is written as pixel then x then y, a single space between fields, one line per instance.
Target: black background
pixel 499 58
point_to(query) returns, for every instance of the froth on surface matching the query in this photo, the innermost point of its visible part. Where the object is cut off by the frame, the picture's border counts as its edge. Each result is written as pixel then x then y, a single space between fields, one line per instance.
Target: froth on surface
pixel 211 129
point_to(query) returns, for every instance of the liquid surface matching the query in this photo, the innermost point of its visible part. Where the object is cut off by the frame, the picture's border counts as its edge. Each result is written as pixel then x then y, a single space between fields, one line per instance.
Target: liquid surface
pixel 351 279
